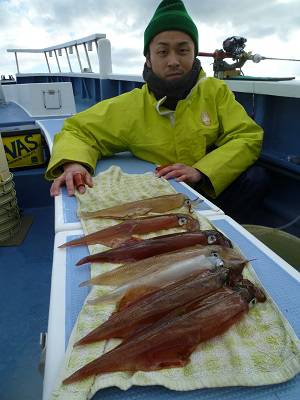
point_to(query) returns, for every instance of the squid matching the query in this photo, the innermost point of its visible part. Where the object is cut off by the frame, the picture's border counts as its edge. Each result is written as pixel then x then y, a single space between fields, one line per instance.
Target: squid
pixel 162 277
pixel 131 272
pixel 168 273
pixel 150 307
pixel 159 204
pixel 157 245
pixel 170 340
pixel 119 234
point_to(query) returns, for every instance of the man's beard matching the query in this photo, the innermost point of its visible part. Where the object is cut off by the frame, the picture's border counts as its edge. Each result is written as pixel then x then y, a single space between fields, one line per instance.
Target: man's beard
pixel 176 89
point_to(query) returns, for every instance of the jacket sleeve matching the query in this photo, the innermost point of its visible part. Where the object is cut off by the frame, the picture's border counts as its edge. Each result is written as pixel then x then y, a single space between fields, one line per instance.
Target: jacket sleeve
pixel 92 134
pixel 237 147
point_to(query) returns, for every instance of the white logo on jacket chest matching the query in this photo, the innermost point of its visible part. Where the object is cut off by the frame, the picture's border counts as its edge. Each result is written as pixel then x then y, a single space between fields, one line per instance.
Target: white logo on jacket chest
pixel 205 118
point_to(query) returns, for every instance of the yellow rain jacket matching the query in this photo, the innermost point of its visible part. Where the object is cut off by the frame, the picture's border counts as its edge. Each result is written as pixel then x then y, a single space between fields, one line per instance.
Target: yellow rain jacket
pixel 209 130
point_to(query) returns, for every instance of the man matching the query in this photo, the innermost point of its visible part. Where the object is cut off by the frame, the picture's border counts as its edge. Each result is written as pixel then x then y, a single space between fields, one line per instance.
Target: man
pixel 179 118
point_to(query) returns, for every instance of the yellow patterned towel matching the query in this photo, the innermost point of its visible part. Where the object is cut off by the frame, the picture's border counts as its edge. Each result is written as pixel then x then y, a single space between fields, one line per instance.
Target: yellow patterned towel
pixel 261 349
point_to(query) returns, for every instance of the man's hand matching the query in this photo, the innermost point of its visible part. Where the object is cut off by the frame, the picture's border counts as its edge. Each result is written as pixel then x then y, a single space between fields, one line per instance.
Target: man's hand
pixel 71 181
pixel 180 172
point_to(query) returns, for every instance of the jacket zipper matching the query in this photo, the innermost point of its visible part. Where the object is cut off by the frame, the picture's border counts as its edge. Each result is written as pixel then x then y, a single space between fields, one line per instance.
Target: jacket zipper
pixel 172 119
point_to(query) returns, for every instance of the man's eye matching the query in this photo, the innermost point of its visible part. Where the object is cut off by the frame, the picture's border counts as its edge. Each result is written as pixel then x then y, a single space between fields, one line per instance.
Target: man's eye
pixel 184 51
pixel 162 52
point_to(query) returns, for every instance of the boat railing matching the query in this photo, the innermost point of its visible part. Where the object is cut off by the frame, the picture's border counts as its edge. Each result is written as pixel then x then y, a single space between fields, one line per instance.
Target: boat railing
pixel 90 43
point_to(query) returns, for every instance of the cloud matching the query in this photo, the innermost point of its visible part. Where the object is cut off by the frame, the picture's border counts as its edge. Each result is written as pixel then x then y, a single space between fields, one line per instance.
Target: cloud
pixel 252 17
pixel 7 13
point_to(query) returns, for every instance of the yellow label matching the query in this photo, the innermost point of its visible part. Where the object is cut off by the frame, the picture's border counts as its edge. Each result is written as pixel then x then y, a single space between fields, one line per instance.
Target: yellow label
pixel 23 150
pixel 205 118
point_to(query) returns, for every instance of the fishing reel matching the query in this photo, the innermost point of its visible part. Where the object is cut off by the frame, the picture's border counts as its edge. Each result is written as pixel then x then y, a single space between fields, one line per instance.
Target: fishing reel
pixel 234 46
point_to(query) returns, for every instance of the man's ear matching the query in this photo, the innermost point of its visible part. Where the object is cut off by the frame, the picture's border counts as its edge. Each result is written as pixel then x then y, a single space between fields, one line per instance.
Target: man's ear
pixel 148 62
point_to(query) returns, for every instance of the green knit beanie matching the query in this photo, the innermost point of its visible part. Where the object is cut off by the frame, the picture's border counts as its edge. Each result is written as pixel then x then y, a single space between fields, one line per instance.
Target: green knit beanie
pixel 170 15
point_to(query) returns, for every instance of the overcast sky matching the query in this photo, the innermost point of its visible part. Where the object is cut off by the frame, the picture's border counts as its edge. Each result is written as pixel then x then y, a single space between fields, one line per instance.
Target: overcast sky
pixel 272 28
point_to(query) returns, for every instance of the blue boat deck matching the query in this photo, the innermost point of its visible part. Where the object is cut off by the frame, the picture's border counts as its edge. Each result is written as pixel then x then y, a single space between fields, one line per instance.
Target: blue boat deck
pixel 24 294
pixel 13 115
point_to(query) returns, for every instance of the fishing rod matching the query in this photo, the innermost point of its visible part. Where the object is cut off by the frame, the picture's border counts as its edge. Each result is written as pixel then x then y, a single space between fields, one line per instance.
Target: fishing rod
pixel 233 47
pixel 273 58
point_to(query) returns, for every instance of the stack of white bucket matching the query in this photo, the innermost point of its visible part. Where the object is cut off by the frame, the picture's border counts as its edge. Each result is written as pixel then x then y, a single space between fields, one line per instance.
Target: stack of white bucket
pixel 9 213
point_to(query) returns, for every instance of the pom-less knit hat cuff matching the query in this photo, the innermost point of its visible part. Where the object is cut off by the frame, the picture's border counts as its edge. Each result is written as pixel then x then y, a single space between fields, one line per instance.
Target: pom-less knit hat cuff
pixel 170 15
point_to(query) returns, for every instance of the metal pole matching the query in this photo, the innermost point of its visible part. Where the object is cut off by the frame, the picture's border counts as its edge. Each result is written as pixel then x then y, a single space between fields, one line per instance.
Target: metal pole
pixel 68 59
pixel 2 97
pixel 16 57
pixel 104 57
pixel 87 57
pixel 47 62
pixel 78 58
pixel 57 61
pixel 96 43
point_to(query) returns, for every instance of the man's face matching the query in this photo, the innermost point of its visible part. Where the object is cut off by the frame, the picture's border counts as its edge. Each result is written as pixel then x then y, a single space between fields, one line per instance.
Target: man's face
pixel 171 55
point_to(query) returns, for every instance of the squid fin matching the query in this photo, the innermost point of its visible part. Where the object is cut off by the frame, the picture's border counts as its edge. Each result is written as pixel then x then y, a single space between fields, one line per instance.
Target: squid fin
pixel 138 211
pixel 197 201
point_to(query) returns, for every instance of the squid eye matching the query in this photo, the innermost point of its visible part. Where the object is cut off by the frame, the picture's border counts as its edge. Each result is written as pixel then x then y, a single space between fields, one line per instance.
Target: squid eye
pixel 214 254
pixel 211 239
pixel 188 202
pixel 182 221
pixel 219 263
pixel 253 301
